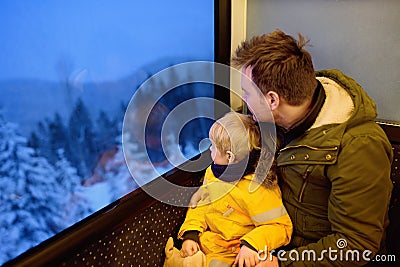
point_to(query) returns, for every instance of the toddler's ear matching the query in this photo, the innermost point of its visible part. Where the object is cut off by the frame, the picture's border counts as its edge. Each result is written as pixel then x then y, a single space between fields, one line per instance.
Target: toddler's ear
pixel 231 156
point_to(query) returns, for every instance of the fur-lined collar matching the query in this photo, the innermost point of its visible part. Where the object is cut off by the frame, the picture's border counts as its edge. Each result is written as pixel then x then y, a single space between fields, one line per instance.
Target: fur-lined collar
pixel 338 106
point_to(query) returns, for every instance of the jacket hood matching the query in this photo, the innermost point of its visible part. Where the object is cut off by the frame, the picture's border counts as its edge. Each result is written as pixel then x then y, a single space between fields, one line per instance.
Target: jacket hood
pixel 346 98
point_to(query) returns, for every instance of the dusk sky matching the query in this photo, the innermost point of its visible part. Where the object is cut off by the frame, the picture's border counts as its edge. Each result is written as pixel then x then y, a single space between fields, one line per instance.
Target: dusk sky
pixel 101 39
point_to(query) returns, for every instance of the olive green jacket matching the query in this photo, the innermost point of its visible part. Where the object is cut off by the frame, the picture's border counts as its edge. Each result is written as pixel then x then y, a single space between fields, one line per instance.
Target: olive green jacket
pixel 335 180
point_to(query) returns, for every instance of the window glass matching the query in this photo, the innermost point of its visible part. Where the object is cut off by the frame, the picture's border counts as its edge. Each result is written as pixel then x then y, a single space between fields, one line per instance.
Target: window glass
pixel 68 70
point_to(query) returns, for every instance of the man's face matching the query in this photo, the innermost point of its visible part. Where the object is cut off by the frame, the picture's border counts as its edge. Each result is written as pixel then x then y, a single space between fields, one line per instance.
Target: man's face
pixel 255 100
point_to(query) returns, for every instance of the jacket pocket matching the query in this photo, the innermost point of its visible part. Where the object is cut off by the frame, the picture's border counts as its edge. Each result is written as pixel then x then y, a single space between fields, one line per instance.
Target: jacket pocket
pixel 305 182
pixel 315 224
pixel 304 154
pixel 304 172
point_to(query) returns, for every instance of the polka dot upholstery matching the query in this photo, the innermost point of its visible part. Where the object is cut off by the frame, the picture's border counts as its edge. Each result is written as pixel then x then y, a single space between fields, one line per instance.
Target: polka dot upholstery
pixel 138 242
pixel 395 175
pixel 140 239
pixel 393 231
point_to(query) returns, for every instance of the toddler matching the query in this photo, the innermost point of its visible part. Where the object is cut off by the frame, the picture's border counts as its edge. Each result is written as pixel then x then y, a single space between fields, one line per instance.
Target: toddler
pixel 233 223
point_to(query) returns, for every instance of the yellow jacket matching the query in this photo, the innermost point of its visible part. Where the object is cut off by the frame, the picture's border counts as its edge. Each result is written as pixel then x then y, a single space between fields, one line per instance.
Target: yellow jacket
pixel 234 212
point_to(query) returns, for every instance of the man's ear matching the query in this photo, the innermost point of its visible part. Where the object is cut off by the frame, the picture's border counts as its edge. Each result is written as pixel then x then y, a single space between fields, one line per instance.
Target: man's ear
pixel 231 156
pixel 272 99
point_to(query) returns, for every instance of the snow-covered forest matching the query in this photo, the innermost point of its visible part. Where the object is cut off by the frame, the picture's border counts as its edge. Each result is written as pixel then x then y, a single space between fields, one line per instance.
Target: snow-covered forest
pixel 71 165
pixel 55 177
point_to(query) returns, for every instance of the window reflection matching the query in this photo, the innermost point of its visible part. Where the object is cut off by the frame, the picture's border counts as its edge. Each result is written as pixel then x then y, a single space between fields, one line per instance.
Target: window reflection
pixel 67 74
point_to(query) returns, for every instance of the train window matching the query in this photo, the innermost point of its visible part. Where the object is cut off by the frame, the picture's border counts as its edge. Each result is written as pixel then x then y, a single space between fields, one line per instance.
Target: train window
pixel 68 72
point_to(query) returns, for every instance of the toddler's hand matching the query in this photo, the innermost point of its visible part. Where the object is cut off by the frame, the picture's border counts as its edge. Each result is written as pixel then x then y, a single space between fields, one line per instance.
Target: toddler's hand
pixel 189 248
pixel 246 257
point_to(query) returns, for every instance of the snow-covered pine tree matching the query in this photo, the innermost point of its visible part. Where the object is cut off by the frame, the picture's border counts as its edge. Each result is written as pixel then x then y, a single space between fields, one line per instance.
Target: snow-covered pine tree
pixel 76 207
pixel 57 137
pixel 106 130
pixel 83 150
pixel 29 192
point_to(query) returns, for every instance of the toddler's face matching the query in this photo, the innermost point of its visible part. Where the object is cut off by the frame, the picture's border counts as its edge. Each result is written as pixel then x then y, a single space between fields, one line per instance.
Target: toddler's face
pixel 218 157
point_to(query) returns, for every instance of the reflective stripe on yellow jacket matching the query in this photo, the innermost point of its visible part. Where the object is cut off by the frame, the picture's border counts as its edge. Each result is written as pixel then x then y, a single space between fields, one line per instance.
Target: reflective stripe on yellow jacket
pixel 235 212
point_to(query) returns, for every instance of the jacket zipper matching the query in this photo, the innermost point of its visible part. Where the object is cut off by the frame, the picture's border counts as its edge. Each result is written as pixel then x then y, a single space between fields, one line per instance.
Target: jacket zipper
pixel 231 209
pixel 305 182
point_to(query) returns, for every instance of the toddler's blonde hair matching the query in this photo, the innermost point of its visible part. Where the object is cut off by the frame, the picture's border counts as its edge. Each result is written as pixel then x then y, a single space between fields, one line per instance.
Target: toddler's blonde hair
pixel 237 133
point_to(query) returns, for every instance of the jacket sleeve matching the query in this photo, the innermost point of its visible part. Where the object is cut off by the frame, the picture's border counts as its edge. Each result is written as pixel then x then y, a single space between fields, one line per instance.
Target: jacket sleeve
pixel 273 225
pixel 361 188
pixel 195 217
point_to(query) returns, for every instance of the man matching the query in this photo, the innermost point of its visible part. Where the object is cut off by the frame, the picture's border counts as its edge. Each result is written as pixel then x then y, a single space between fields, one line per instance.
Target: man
pixel 334 160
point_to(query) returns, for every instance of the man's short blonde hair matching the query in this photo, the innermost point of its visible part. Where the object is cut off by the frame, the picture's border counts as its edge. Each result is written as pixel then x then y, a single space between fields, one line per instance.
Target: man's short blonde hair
pixel 237 133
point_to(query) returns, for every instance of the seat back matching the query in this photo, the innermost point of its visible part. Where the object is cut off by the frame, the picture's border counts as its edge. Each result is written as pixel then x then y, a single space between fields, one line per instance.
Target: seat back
pixel 393 232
